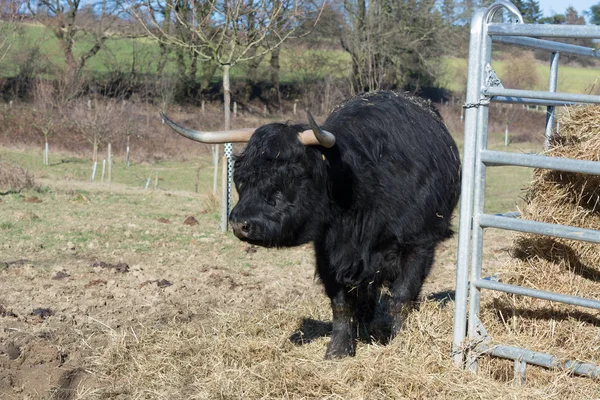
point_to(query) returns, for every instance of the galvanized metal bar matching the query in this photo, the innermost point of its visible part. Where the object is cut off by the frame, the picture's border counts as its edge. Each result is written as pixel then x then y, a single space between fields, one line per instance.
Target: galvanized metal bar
pixel 466 200
pixel 478 205
pixel 499 158
pixel 520 369
pixel 540 228
pixel 541 359
pixel 532 102
pixel 536 94
pixel 542 30
pixel 548 45
pixel 550 109
pixel 498 5
pixel 538 294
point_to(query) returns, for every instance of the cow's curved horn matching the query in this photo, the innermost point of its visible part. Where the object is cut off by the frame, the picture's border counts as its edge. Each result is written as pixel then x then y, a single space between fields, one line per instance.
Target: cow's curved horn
pixel 231 136
pixel 317 135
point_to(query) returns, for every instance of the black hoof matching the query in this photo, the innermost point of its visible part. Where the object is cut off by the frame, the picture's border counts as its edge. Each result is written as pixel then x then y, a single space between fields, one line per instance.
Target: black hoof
pixel 339 350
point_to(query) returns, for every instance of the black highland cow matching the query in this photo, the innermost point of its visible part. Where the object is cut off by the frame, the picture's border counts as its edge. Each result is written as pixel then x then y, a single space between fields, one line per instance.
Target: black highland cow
pixel 374 189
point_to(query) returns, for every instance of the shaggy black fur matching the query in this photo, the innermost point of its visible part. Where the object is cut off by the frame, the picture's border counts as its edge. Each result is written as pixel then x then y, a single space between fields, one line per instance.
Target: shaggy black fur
pixel 375 205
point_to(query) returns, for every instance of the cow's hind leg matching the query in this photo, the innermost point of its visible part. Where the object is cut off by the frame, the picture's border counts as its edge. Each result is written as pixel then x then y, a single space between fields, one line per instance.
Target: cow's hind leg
pixel 365 304
pixel 415 266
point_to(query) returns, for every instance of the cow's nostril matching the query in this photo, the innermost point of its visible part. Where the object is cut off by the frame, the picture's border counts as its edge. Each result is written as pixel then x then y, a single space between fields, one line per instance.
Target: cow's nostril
pixel 242 230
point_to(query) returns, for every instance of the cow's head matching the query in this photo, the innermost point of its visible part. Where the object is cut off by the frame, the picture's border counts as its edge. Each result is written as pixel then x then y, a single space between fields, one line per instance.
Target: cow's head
pixel 279 178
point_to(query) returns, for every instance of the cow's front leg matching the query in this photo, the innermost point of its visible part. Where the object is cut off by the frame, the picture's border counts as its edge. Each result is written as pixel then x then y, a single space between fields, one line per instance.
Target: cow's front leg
pixel 342 341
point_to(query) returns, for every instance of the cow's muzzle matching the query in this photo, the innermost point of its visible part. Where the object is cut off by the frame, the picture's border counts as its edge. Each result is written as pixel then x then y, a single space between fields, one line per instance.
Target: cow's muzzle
pixel 243 230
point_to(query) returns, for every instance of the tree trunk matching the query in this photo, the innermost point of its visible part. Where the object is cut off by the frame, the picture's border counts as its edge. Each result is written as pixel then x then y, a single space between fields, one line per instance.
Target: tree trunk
pixel 227 96
pixel 353 44
pixel 215 158
pixel 252 75
pixel 95 150
pixel 66 43
pixel 274 69
pixel 181 67
pixel 193 72
pixel 162 61
pixel 275 66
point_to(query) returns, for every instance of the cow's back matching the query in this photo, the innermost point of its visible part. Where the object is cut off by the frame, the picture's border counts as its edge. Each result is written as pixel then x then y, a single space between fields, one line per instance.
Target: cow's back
pixel 395 162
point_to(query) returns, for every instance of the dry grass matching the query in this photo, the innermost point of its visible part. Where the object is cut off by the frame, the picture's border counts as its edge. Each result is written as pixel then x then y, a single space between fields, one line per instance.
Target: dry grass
pixel 247 353
pixel 554 264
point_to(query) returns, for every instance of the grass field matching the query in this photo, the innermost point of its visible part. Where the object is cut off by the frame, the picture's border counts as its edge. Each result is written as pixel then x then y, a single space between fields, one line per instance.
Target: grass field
pixel 504 183
pixel 171 175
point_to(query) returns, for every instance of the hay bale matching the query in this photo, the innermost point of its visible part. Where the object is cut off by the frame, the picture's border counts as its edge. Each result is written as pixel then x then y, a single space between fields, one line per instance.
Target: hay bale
pixel 568 199
pixel 554 264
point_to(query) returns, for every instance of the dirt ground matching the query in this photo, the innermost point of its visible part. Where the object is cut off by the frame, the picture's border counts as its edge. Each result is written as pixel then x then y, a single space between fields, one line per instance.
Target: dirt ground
pixel 106 292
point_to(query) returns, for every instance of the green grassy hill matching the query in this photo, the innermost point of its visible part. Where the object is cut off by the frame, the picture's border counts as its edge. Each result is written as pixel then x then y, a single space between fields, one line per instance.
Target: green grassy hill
pixel 571 79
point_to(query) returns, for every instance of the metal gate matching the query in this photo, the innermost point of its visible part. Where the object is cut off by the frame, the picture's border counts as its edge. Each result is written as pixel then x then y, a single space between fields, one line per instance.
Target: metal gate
pixel 470 338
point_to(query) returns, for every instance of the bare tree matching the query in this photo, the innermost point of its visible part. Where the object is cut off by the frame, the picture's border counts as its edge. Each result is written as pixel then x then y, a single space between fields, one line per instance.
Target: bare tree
pixel 392 42
pixel 45 106
pixel 75 23
pixel 225 32
pixel 97 121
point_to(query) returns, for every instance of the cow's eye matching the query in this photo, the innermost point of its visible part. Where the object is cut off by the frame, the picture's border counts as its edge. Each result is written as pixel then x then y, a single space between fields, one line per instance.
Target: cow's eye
pixel 273 197
pixel 278 197
pixel 269 197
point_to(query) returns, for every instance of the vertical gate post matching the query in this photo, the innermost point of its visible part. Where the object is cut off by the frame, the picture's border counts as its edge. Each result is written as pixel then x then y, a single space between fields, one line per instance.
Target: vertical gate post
pixel 466 199
pixel 475 120
pixel 478 195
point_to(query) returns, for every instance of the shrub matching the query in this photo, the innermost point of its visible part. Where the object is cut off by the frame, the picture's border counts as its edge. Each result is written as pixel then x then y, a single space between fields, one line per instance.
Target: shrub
pixel 14 179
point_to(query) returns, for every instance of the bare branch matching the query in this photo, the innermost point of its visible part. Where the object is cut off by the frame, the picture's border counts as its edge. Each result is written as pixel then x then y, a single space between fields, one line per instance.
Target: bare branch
pixel 224 31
